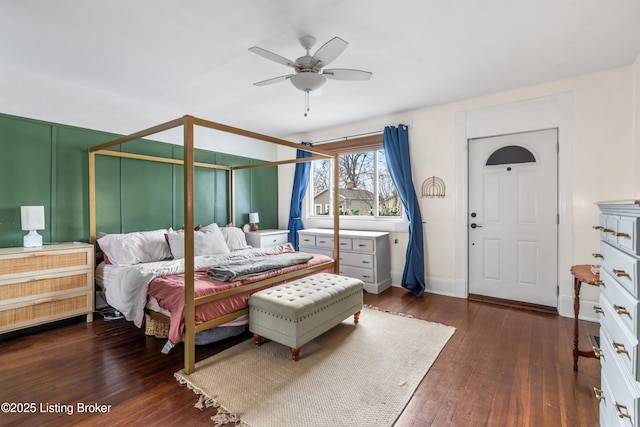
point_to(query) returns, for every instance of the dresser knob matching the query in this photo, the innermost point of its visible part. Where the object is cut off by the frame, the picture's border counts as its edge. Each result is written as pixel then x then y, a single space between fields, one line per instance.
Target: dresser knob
pixel 597 256
pixel 598 393
pixel 620 310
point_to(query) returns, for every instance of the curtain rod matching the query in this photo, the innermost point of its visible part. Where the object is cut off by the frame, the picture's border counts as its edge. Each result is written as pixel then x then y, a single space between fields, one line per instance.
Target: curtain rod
pixel 357 135
pixel 349 136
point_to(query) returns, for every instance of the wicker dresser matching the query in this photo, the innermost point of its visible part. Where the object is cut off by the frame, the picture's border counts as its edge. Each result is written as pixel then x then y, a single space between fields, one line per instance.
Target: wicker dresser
pixel 44 284
pixel 619 394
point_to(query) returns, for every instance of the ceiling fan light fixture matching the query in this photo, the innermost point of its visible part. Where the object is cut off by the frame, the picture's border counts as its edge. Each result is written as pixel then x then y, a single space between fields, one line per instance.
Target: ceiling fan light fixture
pixel 308 81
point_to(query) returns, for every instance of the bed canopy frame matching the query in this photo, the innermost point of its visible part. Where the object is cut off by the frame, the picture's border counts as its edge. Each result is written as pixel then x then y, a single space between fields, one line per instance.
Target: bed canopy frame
pixel 188 123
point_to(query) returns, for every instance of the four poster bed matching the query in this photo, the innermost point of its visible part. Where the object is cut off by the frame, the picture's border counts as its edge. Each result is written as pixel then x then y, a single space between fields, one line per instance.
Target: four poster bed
pixel 210 293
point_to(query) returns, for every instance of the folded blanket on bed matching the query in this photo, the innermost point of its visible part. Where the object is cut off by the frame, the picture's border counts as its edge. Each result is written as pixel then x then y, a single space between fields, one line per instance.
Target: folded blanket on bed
pixel 240 270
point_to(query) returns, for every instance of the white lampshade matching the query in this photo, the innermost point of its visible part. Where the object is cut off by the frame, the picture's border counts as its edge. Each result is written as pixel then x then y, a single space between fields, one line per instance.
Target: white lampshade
pixel 32 219
pixel 254 218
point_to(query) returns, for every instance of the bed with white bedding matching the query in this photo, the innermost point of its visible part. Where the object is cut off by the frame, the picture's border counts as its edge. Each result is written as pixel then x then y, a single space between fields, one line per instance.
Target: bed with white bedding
pixel 136 282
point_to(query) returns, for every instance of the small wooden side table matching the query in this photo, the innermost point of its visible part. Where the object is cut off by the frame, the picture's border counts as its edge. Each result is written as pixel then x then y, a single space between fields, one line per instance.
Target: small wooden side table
pixel 581 274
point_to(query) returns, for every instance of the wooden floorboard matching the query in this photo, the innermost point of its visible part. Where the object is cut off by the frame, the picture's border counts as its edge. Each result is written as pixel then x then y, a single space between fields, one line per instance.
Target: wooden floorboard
pixel 503 367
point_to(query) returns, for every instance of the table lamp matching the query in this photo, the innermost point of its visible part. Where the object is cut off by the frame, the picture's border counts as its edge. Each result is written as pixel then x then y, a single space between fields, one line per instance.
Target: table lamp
pixel 32 219
pixel 254 219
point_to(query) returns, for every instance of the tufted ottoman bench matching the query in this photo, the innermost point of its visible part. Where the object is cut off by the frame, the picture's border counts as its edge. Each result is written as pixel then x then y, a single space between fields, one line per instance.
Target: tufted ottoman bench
pixel 296 312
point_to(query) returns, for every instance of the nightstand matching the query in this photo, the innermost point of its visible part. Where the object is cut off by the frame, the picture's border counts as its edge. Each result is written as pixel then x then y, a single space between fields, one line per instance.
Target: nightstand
pixel 45 284
pixel 267 238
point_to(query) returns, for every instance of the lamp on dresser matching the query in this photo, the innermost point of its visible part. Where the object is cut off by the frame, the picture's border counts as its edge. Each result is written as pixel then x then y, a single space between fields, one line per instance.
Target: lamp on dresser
pixel 254 219
pixel 32 219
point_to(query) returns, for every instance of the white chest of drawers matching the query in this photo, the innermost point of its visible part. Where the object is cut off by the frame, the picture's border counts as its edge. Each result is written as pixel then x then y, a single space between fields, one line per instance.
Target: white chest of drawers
pixel 364 255
pixel 619 325
pixel 41 285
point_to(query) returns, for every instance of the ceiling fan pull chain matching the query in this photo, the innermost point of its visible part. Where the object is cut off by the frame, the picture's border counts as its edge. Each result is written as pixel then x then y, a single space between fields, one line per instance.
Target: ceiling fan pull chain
pixel 306 102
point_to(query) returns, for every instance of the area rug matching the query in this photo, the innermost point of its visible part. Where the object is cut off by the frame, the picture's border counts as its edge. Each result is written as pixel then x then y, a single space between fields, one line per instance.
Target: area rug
pixel 352 375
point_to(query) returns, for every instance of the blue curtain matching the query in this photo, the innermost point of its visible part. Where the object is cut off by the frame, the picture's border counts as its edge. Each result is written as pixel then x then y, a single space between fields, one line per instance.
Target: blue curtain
pixel 300 181
pixel 396 149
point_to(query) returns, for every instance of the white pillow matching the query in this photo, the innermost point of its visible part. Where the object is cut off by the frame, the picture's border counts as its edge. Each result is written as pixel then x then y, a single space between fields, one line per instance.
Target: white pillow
pixel 210 242
pixel 235 238
pixel 136 247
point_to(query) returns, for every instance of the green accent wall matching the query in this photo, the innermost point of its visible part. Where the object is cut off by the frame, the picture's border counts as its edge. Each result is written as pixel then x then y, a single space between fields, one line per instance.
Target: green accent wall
pixel 44 163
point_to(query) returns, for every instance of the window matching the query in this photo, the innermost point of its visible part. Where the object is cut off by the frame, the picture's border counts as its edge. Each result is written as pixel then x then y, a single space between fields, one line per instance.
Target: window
pixel 366 187
pixel 510 154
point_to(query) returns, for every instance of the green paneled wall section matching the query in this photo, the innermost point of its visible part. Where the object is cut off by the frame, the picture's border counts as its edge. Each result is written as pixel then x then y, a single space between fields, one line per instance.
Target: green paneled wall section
pixel 46 164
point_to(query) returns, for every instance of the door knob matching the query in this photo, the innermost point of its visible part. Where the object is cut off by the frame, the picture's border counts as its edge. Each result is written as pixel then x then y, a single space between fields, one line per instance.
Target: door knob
pixel 474 225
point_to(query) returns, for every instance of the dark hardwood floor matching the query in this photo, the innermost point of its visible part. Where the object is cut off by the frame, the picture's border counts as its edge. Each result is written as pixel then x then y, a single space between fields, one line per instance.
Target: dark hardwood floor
pixel 502 367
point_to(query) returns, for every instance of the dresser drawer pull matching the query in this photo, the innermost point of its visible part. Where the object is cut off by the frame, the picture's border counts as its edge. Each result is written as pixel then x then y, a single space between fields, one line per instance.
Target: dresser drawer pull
pixel 362 246
pixel 621 234
pixel 598 309
pixel 39 254
pixel 322 241
pixel 343 244
pixel 44 277
pixel 619 348
pixel 608 230
pixel 598 282
pixel 620 310
pixel 306 240
pixel 597 256
pixel 598 227
pixel 620 273
pixel 619 408
pixel 365 262
pixel 597 352
pixel 42 301
pixel 366 276
pixel 598 393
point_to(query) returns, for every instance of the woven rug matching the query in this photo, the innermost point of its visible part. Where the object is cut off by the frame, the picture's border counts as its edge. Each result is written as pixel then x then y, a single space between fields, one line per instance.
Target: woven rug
pixel 352 375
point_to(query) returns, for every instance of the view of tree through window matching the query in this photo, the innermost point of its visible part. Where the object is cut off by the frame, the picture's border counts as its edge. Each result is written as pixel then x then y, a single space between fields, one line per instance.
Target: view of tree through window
pixel 366 187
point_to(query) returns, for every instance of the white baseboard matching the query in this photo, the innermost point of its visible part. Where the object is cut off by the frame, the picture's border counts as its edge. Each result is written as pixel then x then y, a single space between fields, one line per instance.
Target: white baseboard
pixel 565 308
pixel 452 288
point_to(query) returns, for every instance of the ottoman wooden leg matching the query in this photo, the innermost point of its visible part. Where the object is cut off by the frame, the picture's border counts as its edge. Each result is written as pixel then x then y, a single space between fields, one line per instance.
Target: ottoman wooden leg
pixel 295 354
pixel 356 318
pixel 258 339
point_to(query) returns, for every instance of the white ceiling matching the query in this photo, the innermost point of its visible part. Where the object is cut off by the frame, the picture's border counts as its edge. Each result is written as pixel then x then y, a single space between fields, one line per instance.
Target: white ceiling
pixel 170 58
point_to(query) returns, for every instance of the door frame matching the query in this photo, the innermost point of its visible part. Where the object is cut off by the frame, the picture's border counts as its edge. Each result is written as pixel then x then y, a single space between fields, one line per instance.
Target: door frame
pixel 547 112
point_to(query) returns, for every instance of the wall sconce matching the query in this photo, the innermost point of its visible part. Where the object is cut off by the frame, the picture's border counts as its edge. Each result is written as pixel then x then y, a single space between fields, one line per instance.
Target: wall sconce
pixel 254 219
pixel 32 219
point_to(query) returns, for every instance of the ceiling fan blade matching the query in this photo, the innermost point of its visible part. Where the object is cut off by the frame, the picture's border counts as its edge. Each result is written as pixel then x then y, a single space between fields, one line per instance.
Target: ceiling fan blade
pixel 272 56
pixel 329 51
pixel 273 80
pixel 347 74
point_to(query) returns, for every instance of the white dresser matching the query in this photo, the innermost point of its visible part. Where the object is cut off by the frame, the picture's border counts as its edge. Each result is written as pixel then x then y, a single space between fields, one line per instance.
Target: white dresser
pixel 364 255
pixel 44 284
pixel 619 393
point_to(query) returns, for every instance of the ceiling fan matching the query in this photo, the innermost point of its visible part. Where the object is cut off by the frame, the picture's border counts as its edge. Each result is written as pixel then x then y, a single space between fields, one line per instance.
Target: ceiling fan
pixel 309 73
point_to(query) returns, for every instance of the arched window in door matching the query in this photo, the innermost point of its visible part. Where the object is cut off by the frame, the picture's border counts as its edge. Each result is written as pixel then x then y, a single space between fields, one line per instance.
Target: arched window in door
pixel 510 154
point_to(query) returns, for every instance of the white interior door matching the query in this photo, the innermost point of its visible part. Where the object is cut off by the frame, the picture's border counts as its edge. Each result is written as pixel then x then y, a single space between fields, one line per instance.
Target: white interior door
pixel 513 217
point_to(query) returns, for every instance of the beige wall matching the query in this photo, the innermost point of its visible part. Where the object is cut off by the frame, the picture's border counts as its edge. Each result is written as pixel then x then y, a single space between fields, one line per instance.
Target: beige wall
pixel 605 148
